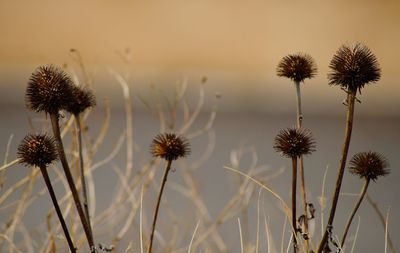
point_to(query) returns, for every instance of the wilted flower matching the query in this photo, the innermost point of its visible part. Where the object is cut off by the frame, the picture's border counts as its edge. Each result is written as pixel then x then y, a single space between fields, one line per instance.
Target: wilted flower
pixel 352 67
pixel 294 142
pixel 297 67
pixel 80 100
pixel 37 150
pixel 369 165
pixel 48 89
pixel 170 146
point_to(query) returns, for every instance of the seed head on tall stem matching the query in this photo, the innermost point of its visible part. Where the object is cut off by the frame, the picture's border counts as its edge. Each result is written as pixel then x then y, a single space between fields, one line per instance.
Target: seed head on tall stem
pixel 169 147
pixel 352 67
pixel 39 150
pixel 294 143
pixel 368 166
pixel 49 90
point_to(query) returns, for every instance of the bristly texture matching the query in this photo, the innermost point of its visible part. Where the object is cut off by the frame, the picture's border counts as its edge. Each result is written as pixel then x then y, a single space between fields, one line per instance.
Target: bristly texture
pixel 170 146
pixel 80 100
pixel 294 142
pixel 48 89
pixel 352 67
pixel 37 150
pixel 369 165
pixel 297 67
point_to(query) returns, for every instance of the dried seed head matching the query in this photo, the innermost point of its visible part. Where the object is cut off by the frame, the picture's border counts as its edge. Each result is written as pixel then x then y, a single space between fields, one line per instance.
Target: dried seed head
pixel 297 67
pixel 294 142
pixel 48 89
pixel 37 150
pixel 80 100
pixel 352 67
pixel 369 165
pixel 170 146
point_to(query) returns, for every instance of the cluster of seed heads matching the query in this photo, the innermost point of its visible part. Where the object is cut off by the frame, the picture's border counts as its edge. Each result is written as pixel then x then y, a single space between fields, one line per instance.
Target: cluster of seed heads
pixel 294 142
pixel 297 67
pixel 170 146
pixel 369 165
pixel 37 150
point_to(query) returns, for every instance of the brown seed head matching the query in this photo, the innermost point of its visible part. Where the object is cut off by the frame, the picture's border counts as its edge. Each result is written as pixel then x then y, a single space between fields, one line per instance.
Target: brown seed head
pixel 80 100
pixel 170 146
pixel 294 142
pixel 48 89
pixel 37 150
pixel 352 67
pixel 297 67
pixel 369 165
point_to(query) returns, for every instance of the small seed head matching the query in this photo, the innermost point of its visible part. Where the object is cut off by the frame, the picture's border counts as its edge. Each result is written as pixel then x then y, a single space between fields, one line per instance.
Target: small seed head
pixel 369 165
pixel 48 89
pixel 170 146
pixel 37 150
pixel 294 142
pixel 80 100
pixel 352 67
pixel 297 67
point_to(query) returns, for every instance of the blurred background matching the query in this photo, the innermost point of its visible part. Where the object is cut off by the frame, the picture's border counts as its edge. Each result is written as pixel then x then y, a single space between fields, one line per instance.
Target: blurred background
pixel 235 45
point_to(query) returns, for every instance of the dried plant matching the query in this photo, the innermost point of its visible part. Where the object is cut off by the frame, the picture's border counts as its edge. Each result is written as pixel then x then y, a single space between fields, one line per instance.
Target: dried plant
pixel 369 166
pixel 39 150
pixel 351 68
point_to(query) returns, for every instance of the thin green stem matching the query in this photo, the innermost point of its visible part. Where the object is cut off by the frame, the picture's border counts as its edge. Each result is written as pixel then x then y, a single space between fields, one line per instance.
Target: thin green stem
pixel 70 180
pixel 153 227
pixel 57 208
pixel 362 194
pixel 82 172
pixel 294 187
pixel 351 97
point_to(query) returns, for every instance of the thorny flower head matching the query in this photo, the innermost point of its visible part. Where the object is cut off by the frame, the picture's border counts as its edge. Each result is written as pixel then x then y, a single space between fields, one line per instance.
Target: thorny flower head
pixel 80 100
pixel 297 67
pixel 369 165
pixel 352 67
pixel 170 146
pixel 48 89
pixel 294 142
pixel 37 150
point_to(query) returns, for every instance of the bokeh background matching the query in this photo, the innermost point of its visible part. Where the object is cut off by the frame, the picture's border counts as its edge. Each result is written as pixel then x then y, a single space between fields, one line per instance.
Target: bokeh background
pixel 237 46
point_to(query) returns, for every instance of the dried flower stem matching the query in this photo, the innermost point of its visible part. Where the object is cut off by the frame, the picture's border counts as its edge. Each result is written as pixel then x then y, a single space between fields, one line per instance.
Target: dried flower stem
pixel 82 172
pixel 57 208
pixel 361 197
pixel 294 186
pixel 302 179
pixel 351 97
pixel 153 227
pixel 68 175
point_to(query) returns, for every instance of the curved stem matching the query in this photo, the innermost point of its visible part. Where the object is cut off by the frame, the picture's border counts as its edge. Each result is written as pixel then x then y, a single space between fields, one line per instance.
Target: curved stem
pixel 362 194
pixel 82 172
pixel 294 186
pixel 153 227
pixel 351 96
pixel 70 180
pixel 57 208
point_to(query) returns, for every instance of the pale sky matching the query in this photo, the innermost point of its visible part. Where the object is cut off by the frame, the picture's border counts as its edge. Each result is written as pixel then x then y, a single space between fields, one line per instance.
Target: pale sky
pixel 237 44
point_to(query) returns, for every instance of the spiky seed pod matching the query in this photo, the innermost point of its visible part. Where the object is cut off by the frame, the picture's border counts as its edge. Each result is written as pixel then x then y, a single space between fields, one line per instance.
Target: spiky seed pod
pixel 294 142
pixel 80 100
pixel 37 150
pixel 170 146
pixel 352 67
pixel 369 165
pixel 48 90
pixel 297 67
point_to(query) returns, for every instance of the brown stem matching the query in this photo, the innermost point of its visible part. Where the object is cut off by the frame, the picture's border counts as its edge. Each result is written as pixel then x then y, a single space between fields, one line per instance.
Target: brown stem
pixel 153 227
pixel 70 180
pixel 82 172
pixel 294 187
pixel 351 96
pixel 362 194
pixel 57 208
pixel 303 187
